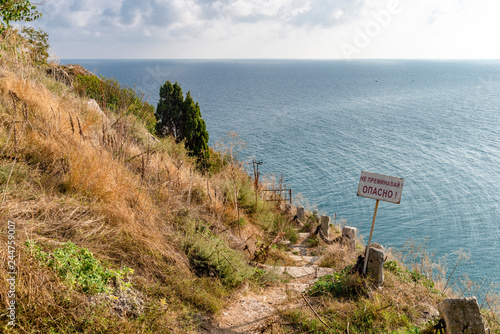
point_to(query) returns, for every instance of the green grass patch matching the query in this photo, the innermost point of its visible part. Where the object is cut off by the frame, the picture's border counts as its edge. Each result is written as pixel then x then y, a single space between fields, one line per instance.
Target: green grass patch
pixel 410 276
pixel 344 283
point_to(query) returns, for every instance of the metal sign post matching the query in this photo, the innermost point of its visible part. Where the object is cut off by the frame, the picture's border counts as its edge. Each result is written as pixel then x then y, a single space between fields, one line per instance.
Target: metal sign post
pixel 370 239
pixel 381 188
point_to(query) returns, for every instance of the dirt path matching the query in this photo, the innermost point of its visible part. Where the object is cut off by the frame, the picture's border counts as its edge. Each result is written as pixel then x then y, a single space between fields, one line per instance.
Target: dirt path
pixel 252 312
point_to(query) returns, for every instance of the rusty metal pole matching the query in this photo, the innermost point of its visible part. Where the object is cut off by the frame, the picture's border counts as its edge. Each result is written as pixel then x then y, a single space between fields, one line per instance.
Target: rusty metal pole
pixel 256 174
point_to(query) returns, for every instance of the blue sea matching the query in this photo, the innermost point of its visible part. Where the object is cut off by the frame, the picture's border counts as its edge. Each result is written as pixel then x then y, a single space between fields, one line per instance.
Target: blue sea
pixel 320 123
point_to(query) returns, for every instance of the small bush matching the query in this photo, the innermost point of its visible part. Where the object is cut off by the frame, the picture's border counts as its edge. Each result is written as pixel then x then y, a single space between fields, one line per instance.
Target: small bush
pixel 277 257
pixel 312 242
pixel 246 196
pixel 280 224
pixel 78 267
pixel 337 256
pixel 210 256
pixel 216 161
pixel 292 235
pixel 110 95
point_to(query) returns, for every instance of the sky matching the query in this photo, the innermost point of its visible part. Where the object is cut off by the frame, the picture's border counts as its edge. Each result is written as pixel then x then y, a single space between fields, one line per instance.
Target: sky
pixel 282 29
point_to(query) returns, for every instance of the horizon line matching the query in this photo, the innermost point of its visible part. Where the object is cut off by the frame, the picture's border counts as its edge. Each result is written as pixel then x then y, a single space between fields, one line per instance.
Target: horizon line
pixel 296 59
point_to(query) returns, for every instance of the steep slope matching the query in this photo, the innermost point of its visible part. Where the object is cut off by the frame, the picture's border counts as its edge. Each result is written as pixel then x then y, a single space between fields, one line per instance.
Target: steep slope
pixel 71 172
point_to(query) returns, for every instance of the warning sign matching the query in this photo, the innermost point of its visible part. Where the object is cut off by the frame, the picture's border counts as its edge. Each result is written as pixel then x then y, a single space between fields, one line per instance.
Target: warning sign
pixel 381 187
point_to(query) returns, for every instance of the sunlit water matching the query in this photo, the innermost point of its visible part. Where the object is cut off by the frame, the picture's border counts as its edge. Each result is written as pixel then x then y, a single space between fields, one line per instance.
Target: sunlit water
pixel 320 123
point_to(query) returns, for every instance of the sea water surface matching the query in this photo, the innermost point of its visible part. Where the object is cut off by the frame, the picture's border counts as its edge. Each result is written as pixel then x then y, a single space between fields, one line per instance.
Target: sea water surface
pixel 320 123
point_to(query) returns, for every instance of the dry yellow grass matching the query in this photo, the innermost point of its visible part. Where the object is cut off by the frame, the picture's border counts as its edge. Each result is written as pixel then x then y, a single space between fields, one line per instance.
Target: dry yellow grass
pixel 60 145
pixel 100 180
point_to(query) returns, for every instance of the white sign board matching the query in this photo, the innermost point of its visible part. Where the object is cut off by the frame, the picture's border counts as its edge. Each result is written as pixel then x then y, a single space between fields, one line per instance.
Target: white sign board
pixel 380 187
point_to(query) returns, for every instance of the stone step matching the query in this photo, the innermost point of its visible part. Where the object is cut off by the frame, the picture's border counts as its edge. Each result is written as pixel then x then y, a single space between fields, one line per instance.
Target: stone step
pixel 297 287
pixel 305 260
pixel 302 237
pixel 322 271
pixel 300 249
pixel 299 272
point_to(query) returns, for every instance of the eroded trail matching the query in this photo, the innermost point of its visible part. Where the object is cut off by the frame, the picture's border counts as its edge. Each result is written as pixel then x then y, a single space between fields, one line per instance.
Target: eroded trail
pixel 255 312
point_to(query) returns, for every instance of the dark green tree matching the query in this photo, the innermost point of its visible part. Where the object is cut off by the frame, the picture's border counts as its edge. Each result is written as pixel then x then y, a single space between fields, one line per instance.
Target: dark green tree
pixel 15 11
pixel 195 129
pixel 181 118
pixel 169 111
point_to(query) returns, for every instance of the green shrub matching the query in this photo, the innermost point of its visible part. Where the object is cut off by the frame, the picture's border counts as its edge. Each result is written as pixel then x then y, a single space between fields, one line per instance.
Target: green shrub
pixel 312 242
pixel 292 235
pixel 216 161
pixel 281 224
pixel 110 95
pixel 78 267
pixel 246 195
pixel 210 256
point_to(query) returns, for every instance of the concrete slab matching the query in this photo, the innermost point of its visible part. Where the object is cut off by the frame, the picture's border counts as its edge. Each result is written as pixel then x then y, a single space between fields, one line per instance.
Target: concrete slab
pixel 320 272
pixel 297 287
pixel 311 259
pixel 296 258
pixel 297 272
pixel 302 237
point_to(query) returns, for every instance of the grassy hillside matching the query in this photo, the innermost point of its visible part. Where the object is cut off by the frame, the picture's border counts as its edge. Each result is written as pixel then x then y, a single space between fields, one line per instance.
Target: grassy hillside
pixel 70 172
pixel 113 230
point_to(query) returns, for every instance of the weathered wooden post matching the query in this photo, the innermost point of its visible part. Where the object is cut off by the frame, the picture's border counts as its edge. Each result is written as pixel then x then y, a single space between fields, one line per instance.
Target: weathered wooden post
pixel 301 214
pixel 256 174
pixel 325 226
pixel 375 264
pixel 349 237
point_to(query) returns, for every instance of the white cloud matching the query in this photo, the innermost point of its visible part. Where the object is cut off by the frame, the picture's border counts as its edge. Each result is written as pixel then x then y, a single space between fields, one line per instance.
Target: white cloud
pixel 257 7
pixel 338 14
pixel 272 28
